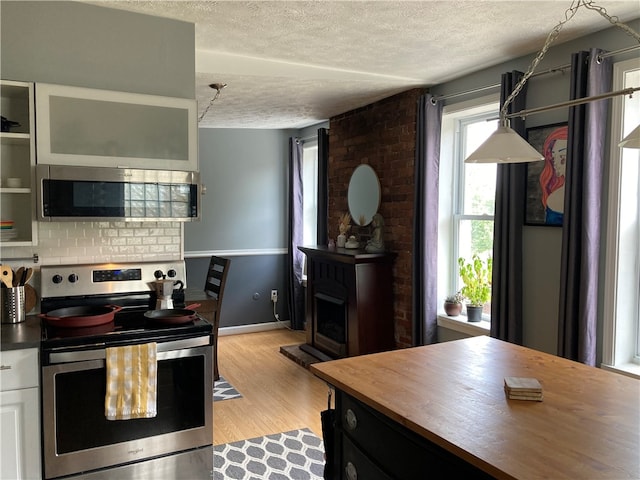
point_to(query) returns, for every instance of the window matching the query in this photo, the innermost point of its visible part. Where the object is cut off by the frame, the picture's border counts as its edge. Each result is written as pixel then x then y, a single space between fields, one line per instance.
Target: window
pixel 467 191
pixel 310 191
pixel 475 191
pixel 621 326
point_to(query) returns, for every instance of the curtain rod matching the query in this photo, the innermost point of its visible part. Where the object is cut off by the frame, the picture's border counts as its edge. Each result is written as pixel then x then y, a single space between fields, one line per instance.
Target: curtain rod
pixel 544 72
pixel 571 103
pixel 307 138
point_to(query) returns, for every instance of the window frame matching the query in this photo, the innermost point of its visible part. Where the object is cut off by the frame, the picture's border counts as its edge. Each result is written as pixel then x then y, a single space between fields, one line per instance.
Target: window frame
pixel 307 144
pixel 310 142
pixel 460 191
pixel 451 172
pixel 620 349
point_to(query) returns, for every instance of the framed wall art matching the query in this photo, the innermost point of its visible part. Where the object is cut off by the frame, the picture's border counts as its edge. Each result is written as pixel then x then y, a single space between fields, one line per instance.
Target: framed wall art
pixel 545 179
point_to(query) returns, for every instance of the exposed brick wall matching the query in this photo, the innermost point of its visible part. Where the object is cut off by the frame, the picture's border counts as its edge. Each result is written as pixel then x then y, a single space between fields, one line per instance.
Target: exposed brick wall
pixel 382 135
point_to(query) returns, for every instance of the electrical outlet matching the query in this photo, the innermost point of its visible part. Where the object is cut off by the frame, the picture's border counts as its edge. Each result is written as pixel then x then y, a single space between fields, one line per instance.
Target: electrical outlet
pixel 274 296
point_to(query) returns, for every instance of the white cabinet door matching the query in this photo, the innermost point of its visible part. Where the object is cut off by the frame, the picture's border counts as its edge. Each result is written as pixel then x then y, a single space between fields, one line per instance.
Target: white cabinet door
pixel 20 434
pixel 103 128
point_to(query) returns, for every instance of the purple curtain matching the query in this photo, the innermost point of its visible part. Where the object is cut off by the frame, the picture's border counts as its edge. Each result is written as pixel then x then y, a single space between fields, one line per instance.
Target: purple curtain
pixel 323 186
pixel 506 291
pixel 425 232
pixel 295 258
pixel 578 309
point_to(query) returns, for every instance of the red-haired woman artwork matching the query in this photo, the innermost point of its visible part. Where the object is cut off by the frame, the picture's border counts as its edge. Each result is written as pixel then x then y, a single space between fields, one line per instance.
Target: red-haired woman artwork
pixel 552 175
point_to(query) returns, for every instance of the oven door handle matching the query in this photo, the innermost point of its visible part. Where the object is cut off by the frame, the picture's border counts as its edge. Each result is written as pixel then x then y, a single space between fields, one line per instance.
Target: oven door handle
pixel 165 350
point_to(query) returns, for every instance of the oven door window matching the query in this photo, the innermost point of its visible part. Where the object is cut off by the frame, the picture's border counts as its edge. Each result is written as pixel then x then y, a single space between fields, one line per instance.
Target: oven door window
pixel 79 406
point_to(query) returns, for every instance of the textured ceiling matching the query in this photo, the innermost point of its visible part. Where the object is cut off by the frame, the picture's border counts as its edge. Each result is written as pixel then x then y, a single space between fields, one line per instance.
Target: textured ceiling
pixel 291 64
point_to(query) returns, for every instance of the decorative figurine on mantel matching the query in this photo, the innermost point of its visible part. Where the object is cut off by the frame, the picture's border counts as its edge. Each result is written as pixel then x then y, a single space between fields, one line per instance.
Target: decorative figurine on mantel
pixel 376 243
pixel 352 243
pixel 345 226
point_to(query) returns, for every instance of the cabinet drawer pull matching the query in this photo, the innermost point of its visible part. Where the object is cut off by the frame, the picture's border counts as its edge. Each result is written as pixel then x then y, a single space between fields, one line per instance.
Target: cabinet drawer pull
pixel 351 471
pixel 351 419
pixel 5 367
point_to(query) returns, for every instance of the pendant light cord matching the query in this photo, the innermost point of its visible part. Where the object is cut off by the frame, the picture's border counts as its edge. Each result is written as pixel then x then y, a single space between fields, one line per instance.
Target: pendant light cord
pixel 217 87
pixel 553 34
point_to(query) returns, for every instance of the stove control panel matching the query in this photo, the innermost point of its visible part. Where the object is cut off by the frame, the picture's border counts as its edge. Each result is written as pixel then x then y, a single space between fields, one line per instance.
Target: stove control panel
pixel 102 279
pixel 117 275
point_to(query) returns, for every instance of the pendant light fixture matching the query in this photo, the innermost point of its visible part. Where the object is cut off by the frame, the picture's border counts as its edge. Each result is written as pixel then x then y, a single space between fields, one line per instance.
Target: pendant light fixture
pixel 632 140
pixel 505 145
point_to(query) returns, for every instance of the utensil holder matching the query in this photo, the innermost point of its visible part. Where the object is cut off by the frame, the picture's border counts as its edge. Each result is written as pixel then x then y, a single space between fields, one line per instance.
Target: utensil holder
pixel 12 310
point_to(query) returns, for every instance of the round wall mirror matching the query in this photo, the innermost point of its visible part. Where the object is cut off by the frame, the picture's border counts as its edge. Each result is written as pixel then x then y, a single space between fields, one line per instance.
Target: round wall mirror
pixel 363 195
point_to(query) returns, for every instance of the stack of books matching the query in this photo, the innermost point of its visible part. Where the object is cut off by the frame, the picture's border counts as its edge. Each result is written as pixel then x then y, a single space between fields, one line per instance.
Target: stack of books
pixel 523 388
pixel 7 232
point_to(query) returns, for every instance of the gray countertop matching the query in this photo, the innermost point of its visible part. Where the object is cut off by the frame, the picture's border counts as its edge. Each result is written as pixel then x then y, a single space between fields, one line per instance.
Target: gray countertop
pixel 14 336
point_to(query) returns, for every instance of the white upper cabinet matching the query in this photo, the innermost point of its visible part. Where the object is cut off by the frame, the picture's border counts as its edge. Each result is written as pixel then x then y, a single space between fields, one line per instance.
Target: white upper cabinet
pixel 17 165
pixel 103 128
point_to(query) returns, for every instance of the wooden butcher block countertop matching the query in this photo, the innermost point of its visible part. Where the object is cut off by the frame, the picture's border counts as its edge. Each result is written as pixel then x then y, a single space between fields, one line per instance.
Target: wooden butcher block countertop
pixel 586 427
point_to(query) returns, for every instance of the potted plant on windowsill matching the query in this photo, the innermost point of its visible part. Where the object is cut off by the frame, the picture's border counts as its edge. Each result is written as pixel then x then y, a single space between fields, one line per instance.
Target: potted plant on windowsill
pixel 453 304
pixel 476 277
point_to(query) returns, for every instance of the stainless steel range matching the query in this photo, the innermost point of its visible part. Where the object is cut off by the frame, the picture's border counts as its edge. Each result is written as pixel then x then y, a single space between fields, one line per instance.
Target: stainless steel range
pixel 79 441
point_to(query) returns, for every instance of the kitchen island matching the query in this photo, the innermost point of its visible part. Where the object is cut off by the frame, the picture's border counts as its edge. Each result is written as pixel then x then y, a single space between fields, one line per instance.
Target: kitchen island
pixel 438 410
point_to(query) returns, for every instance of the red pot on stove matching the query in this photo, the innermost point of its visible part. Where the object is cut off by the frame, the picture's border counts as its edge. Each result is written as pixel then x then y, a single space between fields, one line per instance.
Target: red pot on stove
pixel 75 317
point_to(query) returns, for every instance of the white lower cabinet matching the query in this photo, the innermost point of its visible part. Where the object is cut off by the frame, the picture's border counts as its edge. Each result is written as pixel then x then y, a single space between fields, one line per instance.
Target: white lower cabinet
pixel 19 415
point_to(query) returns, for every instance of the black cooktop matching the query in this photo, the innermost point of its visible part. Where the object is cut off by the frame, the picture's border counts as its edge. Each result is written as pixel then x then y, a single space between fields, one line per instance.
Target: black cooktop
pixel 130 326
pixel 122 331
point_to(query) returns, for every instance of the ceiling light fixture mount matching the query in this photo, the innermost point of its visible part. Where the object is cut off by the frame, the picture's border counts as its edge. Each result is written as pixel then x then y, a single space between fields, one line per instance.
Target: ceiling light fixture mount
pixel 217 87
pixel 505 145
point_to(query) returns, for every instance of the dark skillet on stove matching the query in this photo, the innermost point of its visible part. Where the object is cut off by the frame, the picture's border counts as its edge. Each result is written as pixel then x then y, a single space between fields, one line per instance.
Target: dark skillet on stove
pixel 86 316
pixel 173 315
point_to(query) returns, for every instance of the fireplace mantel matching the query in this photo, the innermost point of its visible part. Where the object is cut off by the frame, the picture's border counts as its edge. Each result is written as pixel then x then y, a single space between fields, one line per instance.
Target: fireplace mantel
pixel 349 302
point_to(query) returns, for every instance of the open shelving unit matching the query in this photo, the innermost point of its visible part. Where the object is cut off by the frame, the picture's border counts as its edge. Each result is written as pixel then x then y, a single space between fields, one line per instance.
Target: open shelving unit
pixel 17 162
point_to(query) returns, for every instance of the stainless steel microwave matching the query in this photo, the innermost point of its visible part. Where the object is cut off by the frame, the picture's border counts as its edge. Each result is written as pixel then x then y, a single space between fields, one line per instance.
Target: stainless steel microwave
pixel 70 193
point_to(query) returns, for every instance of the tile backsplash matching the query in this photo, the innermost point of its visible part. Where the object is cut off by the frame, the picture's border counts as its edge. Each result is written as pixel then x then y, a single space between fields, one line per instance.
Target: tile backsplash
pixel 61 243
pixel 101 242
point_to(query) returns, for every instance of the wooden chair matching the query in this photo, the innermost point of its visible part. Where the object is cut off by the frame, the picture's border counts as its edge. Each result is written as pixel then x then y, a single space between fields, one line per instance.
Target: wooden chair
pixel 214 290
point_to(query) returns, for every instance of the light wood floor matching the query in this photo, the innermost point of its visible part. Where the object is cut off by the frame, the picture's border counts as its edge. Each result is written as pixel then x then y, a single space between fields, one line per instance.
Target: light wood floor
pixel 278 395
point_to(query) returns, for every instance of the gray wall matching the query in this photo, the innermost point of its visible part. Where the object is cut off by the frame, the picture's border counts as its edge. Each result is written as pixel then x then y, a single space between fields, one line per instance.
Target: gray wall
pixel 244 208
pixel 542 245
pixel 244 218
pixel 247 295
pixel 71 43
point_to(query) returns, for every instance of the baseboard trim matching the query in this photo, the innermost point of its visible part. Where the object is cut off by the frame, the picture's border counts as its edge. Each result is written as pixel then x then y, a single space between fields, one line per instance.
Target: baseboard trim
pixel 256 327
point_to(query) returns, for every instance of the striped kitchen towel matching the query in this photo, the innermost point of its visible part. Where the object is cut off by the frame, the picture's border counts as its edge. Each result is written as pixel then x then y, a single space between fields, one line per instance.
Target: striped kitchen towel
pixel 131 382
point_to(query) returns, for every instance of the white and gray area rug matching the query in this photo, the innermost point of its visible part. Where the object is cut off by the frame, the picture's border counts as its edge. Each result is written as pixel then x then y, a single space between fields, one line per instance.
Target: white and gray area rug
pixel 223 390
pixel 294 455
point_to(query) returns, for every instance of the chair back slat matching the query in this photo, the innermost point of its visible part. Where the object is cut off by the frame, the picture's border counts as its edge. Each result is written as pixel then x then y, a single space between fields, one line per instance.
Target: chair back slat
pixel 214 288
pixel 216 277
